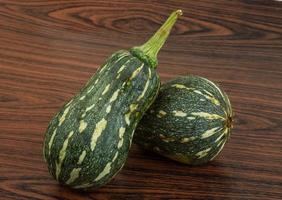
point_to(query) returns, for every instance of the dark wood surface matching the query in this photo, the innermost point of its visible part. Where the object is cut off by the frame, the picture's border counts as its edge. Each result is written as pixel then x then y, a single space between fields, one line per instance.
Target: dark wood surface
pixel 49 49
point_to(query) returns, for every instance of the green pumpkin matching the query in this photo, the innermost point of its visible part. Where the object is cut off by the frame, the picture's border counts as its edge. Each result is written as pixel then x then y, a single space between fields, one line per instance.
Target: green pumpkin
pixel 88 140
pixel 190 121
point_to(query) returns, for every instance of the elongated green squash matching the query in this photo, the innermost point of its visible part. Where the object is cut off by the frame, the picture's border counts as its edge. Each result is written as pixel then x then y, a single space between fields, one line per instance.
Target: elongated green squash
pixel 87 142
pixel 189 122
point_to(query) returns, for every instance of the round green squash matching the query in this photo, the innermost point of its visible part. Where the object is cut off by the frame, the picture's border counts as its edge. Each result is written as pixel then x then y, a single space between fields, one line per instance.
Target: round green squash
pixel 190 121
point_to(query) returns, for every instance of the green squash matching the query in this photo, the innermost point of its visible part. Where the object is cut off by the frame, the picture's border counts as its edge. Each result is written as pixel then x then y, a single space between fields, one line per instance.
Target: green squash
pixel 190 121
pixel 88 140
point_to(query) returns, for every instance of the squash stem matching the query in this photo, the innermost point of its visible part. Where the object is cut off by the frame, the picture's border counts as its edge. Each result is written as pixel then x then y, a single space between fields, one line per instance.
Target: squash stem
pixel 151 48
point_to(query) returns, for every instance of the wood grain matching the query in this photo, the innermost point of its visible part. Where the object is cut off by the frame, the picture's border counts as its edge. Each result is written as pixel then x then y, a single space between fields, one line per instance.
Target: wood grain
pixel 49 49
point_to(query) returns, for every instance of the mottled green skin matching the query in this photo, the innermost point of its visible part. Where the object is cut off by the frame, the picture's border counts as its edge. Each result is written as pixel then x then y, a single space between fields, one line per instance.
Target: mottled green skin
pixel 107 144
pixel 164 134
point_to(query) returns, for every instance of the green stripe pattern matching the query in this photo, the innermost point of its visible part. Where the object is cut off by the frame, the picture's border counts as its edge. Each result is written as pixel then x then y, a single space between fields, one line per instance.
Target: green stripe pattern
pixel 189 122
pixel 87 142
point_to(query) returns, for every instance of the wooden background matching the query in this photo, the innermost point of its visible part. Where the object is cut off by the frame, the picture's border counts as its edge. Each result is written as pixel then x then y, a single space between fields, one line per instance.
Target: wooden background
pixel 49 49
